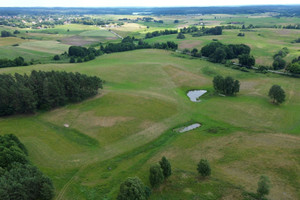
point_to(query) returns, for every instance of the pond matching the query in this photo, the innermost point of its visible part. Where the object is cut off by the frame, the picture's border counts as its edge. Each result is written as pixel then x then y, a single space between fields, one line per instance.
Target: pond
pixel 188 128
pixel 195 94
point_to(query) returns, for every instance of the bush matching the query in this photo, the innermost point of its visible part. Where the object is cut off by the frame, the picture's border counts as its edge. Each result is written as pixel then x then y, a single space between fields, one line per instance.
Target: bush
pixel 6 34
pixel 278 63
pixel 56 57
pixel 79 60
pixel 263 186
pixel 72 60
pixel 226 86
pixel 246 60
pixel 294 68
pixel 156 176
pixel 133 189
pixel 166 167
pixel 180 36
pixel 203 168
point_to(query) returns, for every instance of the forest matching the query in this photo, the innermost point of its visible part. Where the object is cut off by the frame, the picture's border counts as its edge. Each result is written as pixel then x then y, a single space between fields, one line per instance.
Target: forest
pixel 24 94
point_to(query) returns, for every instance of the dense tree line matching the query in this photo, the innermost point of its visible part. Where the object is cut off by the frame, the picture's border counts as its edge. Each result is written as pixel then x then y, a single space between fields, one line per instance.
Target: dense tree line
pixel 6 34
pixel 159 33
pixel 218 52
pixel 129 43
pixel 19 179
pixel 19 61
pixel 44 90
pixel 89 21
pixel 83 54
pixel 197 32
pixel 226 86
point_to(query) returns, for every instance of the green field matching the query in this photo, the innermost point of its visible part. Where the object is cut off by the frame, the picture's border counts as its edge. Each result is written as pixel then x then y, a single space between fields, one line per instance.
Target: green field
pixel 128 127
pixel 264 43
pixel 130 124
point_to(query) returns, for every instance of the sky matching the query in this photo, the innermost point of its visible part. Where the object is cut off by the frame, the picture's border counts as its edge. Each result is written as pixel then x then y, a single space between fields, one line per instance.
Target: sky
pixel 137 3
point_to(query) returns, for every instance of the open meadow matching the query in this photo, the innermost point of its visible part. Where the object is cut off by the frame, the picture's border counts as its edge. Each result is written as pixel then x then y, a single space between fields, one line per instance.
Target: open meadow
pixel 90 147
pixel 129 126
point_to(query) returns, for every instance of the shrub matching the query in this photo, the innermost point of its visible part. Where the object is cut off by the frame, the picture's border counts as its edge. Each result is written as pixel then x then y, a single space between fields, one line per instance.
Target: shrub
pixel 133 189
pixel 263 186
pixel 166 167
pixel 56 57
pixel 203 168
pixel 156 176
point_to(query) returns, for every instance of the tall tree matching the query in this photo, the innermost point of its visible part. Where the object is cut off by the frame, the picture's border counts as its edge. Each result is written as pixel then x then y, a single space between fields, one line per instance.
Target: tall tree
pixel 277 94
pixel 166 167
pixel 156 176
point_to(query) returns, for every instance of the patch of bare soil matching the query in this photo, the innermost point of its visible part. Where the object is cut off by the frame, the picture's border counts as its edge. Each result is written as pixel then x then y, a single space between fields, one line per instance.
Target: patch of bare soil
pixel 189 44
pixel 78 40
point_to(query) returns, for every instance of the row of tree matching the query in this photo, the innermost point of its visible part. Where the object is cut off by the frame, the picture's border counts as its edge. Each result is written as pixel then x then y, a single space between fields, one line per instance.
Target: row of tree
pixel 209 31
pixel 130 43
pixel 19 61
pixel 44 90
pixel 134 189
pixel 159 33
pixel 19 179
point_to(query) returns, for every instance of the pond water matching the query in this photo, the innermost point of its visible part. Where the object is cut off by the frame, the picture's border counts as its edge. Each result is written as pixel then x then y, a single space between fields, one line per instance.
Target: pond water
pixel 188 128
pixel 195 94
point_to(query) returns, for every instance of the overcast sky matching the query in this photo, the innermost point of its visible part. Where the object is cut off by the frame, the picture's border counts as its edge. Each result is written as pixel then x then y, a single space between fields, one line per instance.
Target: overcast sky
pixel 137 3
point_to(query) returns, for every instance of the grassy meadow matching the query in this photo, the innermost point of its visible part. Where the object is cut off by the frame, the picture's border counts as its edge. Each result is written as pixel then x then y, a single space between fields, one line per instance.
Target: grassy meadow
pixel 128 127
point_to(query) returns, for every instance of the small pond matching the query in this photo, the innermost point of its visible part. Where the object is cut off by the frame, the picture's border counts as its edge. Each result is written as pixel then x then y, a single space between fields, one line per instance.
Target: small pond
pixel 189 128
pixel 195 94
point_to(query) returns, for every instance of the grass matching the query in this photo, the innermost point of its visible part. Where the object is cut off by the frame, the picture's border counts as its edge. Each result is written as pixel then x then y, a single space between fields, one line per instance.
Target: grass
pixel 122 131
pixel 128 126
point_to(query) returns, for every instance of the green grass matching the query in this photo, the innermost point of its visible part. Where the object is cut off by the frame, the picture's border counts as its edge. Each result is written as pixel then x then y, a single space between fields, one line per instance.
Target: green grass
pixel 122 131
pixel 128 126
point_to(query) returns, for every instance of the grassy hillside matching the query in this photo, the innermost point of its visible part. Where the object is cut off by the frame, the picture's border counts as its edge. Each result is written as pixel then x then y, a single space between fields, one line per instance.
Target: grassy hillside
pixel 128 127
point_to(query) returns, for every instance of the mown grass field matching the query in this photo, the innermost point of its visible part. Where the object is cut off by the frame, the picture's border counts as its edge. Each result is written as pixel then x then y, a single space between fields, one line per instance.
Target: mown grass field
pixel 128 127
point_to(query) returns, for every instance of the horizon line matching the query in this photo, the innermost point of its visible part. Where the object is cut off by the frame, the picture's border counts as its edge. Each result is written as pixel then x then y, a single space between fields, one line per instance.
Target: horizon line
pixel 238 5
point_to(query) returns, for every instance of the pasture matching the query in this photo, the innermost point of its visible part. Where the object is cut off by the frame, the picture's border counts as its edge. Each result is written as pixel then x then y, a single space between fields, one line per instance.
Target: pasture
pixel 128 127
